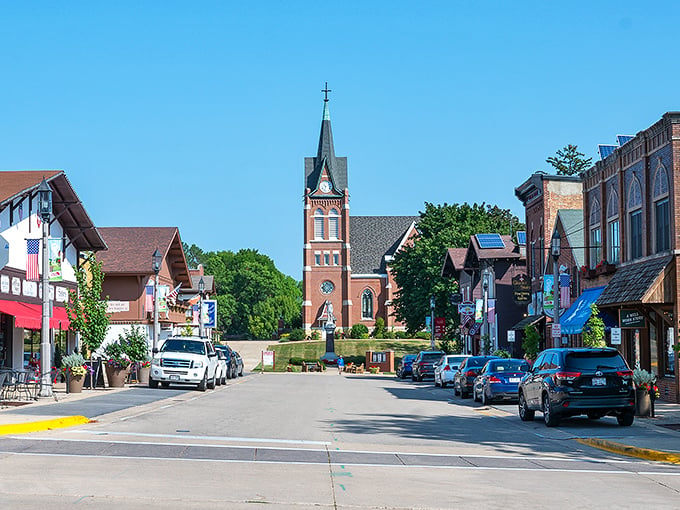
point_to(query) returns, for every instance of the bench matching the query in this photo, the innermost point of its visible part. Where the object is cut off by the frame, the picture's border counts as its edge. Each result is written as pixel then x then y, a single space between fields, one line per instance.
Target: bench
pixel 311 366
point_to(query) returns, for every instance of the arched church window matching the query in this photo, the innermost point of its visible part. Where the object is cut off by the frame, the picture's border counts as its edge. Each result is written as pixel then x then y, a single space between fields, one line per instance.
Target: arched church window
pixel 318 224
pixel 367 304
pixel 333 224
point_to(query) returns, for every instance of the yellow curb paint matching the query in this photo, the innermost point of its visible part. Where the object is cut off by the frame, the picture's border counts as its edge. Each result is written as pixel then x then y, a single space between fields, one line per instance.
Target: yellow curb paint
pixel 35 426
pixel 631 451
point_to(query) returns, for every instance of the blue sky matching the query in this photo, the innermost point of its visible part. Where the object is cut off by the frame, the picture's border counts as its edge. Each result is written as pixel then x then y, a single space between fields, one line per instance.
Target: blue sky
pixel 199 114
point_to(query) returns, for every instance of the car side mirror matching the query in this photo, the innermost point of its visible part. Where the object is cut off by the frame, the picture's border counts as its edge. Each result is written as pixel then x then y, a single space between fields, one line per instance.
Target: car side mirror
pixel 155 350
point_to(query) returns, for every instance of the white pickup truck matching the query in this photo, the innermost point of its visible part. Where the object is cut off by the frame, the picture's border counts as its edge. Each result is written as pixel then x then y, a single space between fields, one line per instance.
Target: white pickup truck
pixel 184 360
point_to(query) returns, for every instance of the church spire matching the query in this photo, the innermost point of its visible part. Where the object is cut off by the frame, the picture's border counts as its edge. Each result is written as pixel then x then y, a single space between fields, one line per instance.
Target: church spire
pixel 326 150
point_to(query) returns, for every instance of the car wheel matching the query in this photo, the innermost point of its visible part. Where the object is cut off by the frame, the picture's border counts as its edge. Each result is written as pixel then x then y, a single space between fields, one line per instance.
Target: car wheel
pixel 456 391
pixel 152 383
pixel 203 384
pixel 463 393
pixel 625 419
pixel 240 374
pixel 485 401
pixel 525 414
pixel 413 377
pixel 444 383
pixel 475 397
pixel 165 384
pixel 550 418
pixel 594 416
pixel 218 380
pixel 436 384
pixel 212 382
pixel 224 379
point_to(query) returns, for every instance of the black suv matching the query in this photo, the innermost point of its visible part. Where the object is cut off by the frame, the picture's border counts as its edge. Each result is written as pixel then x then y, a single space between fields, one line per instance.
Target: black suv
pixel 423 365
pixel 569 382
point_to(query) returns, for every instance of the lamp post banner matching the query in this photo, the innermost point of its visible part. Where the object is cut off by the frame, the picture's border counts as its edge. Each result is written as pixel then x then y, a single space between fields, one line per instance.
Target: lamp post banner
pixel 56 257
pixel 209 313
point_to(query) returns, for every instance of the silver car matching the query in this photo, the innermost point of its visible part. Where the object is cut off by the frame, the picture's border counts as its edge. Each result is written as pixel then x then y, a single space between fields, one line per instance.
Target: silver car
pixel 446 367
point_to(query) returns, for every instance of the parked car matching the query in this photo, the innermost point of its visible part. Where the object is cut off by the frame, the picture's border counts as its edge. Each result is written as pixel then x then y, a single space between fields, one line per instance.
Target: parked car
pixel 569 382
pixel 231 360
pixel 405 367
pixel 239 364
pixel 184 360
pixel 423 365
pixel 499 380
pixel 221 377
pixel 464 377
pixel 446 367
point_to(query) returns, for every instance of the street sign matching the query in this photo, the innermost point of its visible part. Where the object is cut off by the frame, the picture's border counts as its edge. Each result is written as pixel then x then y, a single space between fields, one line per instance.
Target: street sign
pixel 466 308
pixel 267 358
pixel 511 336
pixel 616 336
pixel 439 327
pixel 476 326
pixel 556 330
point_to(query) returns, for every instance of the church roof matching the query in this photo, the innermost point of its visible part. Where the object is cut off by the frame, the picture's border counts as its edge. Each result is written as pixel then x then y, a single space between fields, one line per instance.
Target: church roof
pixel 372 238
pixel 337 167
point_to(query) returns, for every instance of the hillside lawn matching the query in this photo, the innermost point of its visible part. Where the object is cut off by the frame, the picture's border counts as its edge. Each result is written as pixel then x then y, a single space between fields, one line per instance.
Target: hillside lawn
pixel 353 351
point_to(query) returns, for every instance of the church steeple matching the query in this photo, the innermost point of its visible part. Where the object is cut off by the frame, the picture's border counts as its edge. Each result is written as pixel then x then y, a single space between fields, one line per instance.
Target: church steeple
pixel 325 155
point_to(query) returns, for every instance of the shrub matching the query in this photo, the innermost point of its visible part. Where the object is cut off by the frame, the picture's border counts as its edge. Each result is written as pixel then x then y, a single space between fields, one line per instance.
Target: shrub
pixel 379 331
pixel 358 331
pixel 423 335
pixel 401 335
pixel 502 353
pixel 449 346
pixel 390 334
pixel 296 361
pixel 134 344
pixel 316 335
pixel 296 335
pixel 593 331
pixel 72 360
pixel 531 342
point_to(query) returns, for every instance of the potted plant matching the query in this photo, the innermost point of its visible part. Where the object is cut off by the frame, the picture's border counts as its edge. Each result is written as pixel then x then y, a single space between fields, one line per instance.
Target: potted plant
pixel 136 347
pixel 76 370
pixel 645 384
pixel 117 364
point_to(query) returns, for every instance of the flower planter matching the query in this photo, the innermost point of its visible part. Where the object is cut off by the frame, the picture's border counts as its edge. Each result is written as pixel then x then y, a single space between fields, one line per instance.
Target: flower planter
pixel 643 402
pixel 143 375
pixel 116 376
pixel 75 383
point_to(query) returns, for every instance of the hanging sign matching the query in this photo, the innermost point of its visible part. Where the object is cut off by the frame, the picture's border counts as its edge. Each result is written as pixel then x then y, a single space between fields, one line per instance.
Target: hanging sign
pixel 521 289
pixel 466 308
pixel 632 319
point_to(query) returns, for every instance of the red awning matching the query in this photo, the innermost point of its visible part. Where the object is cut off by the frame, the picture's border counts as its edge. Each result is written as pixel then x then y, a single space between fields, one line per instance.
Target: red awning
pixel 29 316
pixel 24 315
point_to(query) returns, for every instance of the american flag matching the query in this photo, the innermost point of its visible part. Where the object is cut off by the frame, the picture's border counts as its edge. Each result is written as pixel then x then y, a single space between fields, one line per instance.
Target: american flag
pixel 148 298
pixel 32 250
pixel 171 298
pixel 565 294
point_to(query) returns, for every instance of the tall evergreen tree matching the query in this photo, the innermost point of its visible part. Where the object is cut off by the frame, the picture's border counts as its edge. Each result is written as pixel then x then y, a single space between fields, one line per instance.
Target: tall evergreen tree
pixel 569 161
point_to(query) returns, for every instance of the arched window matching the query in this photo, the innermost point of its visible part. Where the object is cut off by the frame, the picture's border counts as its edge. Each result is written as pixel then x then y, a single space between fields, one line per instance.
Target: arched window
pixel 318 224
pixel 595 233
pixel 333 224
pixel 367 304
pixel 635 219
pixel 613 229
pixel 662 225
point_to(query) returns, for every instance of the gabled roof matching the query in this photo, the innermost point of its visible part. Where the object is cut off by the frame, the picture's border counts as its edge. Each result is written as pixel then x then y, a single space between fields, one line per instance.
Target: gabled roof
pixel 372 238
pixel 66 206
pixel 337 167
pixel 454 262
pixel 631 283
pixel 572 225
pixel 208 281
pixel 131 249
pixel 475 253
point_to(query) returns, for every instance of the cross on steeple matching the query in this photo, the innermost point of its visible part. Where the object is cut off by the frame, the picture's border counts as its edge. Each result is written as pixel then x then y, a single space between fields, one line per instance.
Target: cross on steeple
pixel 325 93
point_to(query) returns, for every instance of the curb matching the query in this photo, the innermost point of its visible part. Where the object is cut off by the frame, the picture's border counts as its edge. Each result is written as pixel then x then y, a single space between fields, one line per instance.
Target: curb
pixel 631 451
pixel 35 426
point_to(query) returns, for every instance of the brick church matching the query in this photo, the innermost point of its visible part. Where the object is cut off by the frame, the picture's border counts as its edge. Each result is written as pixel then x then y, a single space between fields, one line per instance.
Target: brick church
pixel 346 258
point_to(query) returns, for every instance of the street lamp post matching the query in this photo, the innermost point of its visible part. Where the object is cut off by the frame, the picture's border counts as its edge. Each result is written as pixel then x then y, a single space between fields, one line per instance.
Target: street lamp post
pixel 555 251
pixel 432 323
pixel 45 211
pixel 201 290
pixel 485 312
pixel 156 260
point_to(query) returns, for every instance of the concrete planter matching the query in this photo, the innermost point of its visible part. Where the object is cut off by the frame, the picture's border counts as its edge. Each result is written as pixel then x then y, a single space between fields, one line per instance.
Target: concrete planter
pixel 643 402
pixel 116 376
pixel 75 383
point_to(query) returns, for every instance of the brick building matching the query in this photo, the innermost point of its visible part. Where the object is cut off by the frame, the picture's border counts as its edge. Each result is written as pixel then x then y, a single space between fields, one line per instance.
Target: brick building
pixel 632 223
pixel 346 259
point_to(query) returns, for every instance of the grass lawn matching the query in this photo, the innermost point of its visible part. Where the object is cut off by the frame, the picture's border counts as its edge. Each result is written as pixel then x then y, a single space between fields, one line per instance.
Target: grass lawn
pixel 353 351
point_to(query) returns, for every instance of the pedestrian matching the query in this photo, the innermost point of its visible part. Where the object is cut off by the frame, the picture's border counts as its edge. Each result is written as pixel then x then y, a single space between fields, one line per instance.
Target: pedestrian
pixel 341 364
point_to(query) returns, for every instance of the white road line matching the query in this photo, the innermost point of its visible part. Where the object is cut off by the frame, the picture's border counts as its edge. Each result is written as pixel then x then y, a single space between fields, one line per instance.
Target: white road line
pixel 205 438
pixel 325 464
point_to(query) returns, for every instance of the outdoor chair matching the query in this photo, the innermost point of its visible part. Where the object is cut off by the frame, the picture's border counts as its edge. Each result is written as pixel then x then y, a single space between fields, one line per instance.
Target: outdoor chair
pixel 359 369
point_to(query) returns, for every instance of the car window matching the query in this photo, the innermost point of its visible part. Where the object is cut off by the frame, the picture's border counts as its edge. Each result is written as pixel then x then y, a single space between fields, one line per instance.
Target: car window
pixel 190 346
pixel 476 362
pixel 539 361
pixel 432 356
pixel 595 360
pixel 509 366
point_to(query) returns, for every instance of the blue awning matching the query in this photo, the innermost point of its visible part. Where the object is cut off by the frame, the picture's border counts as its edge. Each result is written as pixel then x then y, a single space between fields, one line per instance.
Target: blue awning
pixel 573 320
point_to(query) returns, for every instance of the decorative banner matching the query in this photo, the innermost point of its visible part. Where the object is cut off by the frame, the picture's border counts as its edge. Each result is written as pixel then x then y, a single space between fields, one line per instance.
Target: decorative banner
pixel 491 311
pixel 548 294
pixel 210 313
pixel 162 294
pixel 479 311
pixel 56 256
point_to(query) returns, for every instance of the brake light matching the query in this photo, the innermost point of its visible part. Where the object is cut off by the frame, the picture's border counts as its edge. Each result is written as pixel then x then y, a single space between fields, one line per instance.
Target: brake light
pixel 493 378
pixel 566 376
pixel 447 368
pixel 626 374
pixel 470 373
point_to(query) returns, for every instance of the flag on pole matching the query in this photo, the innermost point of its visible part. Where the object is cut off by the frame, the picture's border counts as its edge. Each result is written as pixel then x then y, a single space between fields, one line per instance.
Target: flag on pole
pixel 194 299
pixel 148 298
pixel 172 296
pixel 32 250
pixel 565 294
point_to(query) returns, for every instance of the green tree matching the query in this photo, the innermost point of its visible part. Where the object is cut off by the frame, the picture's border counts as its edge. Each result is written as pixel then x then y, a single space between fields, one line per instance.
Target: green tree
pixel 193 254
pixel 569 161
pixel 86 308
pixel 531 343
pixel 593 331
pixel 417 267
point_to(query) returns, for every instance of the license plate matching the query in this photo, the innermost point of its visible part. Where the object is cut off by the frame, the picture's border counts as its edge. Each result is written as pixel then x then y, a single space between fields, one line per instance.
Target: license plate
pixel 599 381
pixel 514 379
pixel 174 378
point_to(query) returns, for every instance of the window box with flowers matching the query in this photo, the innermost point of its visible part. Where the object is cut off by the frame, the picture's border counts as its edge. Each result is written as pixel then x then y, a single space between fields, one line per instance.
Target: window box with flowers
pixel 587 273
pixel 604 267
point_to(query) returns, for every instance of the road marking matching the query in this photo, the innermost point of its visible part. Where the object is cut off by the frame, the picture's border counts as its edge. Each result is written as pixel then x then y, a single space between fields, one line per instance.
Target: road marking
pixel 212 438
pixel 369 465
pixel 35 426
pixel 337 450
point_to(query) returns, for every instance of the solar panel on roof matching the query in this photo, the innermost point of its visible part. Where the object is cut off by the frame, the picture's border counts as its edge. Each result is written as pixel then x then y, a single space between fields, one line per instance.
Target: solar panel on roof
pixel 621 139
pixel 606 150
pixel 486 241
pixel 522 238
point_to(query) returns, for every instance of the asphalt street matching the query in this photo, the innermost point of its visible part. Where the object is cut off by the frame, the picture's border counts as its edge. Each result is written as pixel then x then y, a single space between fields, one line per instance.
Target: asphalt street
pixel 323 441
